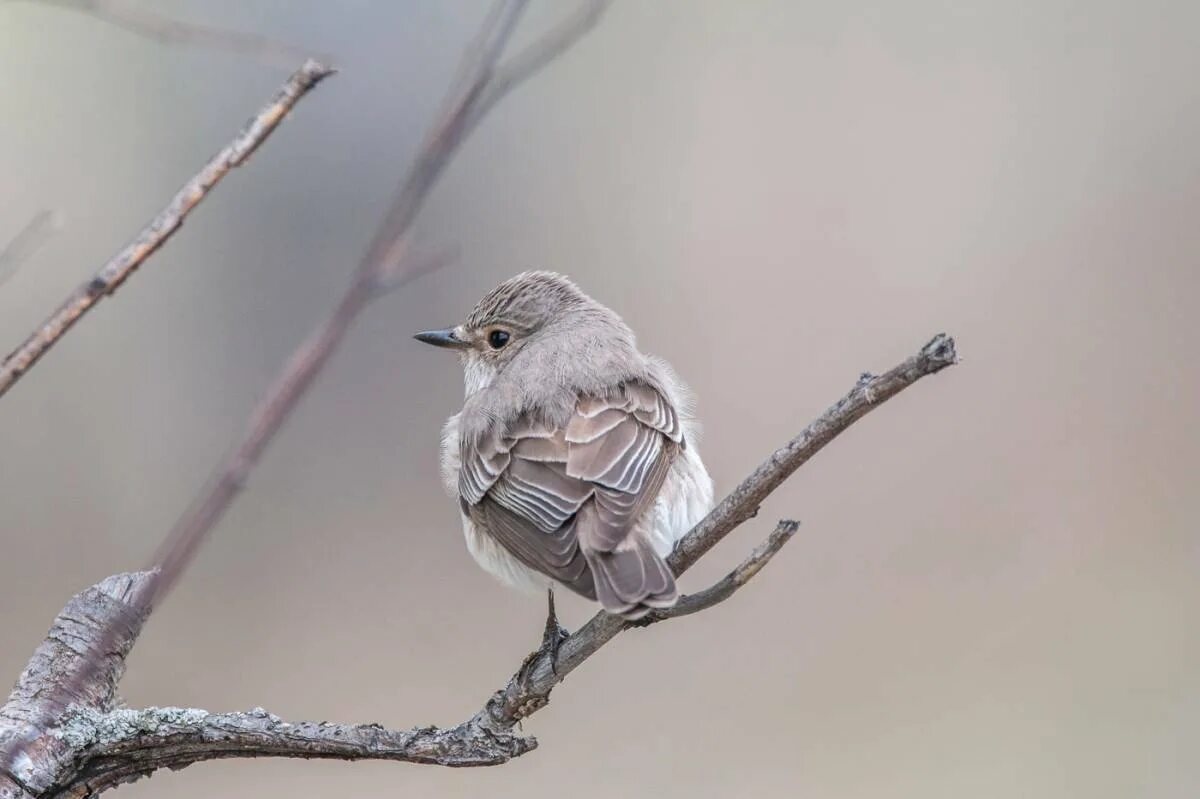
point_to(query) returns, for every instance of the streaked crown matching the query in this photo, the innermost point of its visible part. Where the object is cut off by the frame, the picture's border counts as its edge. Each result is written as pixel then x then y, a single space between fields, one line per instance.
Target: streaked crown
pixel 527 301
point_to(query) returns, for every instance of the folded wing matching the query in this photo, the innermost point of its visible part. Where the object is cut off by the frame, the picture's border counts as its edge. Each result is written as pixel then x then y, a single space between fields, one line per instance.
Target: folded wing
pixel 569 502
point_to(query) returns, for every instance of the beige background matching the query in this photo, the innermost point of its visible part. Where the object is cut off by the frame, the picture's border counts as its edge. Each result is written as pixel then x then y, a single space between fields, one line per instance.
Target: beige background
pixel 994 592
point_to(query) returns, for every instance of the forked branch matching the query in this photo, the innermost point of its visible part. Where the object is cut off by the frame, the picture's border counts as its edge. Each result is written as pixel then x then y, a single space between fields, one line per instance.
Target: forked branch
pixel 386 265
pixel 93 746
pixel 61 732
pixel 532 689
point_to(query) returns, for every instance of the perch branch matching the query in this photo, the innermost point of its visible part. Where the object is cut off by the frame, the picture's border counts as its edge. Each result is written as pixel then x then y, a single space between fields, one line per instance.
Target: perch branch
pixel 530 688
pixel 73 741
pixel 727 586
pixel 124 744
pixel 154 235
pixel 167 30
pixel 93 746
pixel 27 241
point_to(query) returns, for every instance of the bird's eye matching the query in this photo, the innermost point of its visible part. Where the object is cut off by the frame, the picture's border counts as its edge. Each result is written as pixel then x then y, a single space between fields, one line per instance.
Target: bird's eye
pixel 497 339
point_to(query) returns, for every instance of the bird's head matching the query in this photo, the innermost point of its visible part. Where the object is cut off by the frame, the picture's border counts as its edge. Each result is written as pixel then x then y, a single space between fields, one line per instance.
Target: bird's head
pixel 530 307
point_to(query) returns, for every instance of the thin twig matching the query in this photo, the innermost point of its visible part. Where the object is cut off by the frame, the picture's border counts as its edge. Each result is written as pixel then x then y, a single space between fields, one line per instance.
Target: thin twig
pixel 155 234
pixel 121 266
pixel 386 264
pixel 728 585
pixel 535 56
pixel 29 239
pixel 167 30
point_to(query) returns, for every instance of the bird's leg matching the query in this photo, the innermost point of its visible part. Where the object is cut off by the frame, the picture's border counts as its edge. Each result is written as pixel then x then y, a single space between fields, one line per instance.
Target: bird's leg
pixel 552 638
pixel 554 634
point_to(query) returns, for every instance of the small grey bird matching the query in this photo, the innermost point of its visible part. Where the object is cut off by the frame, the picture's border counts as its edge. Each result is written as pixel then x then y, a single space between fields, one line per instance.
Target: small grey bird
pixel 574 458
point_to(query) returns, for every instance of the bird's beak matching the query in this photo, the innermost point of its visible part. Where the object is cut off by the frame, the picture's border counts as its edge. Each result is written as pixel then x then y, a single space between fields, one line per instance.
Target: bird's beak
pixel 442 338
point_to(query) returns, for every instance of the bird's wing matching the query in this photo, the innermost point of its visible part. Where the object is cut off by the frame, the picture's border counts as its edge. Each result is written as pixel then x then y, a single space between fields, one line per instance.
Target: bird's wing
pixel 564 501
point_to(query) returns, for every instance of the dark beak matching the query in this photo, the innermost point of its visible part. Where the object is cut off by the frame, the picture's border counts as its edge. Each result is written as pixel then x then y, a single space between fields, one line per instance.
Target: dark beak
pixel 442 338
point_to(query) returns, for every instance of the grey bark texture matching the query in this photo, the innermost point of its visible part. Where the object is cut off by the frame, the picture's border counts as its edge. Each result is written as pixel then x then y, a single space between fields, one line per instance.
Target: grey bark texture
pixel 83 742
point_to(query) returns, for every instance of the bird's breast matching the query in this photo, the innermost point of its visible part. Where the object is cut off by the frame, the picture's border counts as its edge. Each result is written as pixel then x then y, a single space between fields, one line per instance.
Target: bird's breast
pixel 451 458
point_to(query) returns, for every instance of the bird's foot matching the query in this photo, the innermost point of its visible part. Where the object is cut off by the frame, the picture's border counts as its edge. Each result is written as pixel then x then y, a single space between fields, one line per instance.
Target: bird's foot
pixel 553 637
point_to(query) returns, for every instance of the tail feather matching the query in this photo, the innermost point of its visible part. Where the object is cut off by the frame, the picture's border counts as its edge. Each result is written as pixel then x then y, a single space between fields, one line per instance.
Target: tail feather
pixel 631 582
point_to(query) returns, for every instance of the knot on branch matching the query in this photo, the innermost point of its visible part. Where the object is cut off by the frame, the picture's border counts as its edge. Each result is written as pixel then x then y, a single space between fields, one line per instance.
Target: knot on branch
pixel 483 741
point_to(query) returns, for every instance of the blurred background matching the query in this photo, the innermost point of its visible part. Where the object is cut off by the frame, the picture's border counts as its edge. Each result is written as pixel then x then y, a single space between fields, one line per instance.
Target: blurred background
pixel 995 587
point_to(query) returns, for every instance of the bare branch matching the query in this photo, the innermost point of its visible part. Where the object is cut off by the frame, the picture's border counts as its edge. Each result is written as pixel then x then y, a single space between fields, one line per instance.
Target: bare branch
pixel 537 55
pixel 29 239
pixel 61 724
pixel 90 746
pixel 86 672
pixel 386 253
pixel 167 30
pixel 724 588
pixel 124 745
pixel 81 742
pixel 155 234
pixel 46 688
pixel 529 689
pixel 386 265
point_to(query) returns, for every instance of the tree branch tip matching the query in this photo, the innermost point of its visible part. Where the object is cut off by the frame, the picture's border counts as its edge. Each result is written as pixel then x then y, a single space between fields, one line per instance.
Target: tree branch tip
pixel 727 586
pixel 941 351
pixel 318 69
pixel 762 554
pixel 121 586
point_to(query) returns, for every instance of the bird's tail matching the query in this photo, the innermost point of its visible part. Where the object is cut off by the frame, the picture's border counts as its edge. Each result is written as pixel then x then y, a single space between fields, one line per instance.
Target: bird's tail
pixel 632 580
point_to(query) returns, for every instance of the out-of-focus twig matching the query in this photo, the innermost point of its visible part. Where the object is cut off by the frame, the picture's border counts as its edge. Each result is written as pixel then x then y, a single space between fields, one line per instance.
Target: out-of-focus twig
pixel 21 247
pixel 387 264
pixel 156 233
pixel 112 275
pixel 168 30
pixel 545 49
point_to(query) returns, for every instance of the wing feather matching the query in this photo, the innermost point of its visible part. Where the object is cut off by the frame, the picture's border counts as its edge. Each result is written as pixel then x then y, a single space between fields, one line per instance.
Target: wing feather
pixel 567 502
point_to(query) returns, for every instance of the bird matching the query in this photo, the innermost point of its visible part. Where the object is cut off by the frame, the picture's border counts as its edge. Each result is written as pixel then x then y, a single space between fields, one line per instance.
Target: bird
pixel 574 458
